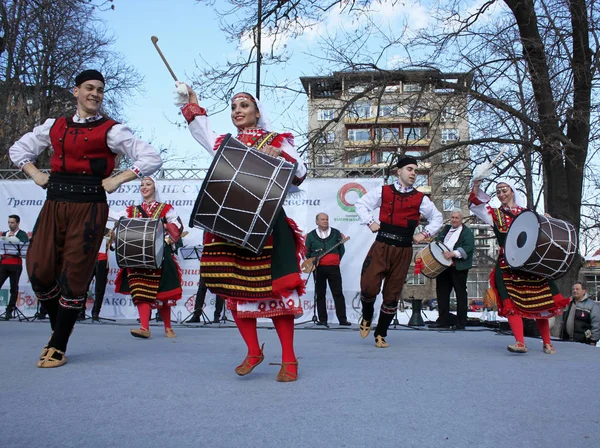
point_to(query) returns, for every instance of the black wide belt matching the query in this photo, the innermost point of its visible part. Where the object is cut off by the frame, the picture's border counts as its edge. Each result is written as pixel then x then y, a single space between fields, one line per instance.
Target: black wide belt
pixel 69 187
pixel 394 240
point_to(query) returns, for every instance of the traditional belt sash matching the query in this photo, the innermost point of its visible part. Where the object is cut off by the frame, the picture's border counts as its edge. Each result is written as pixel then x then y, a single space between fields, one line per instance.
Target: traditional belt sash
pixel 72 187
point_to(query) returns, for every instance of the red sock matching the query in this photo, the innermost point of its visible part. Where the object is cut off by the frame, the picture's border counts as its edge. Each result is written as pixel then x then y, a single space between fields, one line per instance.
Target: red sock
pixel 544 329
pixel 516 325
pixel 165 314
pixel 284 325
pixel 247 328
pixel 144 312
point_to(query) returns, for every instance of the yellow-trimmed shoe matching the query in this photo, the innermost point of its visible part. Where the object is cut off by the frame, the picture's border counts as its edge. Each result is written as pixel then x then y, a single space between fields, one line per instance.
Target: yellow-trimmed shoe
pixel 140 333
pixel 517 347
pixel 170 333
pixel 246 366
pixel 43 356
pixel 365 327
pixel 380 342
pixel 549 349
pixel 284 376
pixel 54 358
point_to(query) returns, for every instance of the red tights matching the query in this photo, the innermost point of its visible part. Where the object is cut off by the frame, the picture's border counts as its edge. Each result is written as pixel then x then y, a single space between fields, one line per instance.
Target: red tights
pixel 284 325
pixel 516 325
pixel 144 311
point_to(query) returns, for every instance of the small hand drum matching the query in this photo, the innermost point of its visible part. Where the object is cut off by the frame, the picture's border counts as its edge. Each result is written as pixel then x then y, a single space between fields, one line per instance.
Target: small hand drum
pixel 242 194
pixel 540 245
pixel 434 262
pixel 139 243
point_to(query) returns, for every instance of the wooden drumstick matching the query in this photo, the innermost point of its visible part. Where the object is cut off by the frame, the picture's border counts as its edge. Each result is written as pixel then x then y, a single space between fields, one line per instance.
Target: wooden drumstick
pixel 154 40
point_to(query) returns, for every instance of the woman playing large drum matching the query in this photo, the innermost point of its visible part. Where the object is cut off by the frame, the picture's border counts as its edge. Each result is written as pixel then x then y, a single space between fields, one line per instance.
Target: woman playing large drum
pixel 520 294
pixel 153 288
pixel 264 285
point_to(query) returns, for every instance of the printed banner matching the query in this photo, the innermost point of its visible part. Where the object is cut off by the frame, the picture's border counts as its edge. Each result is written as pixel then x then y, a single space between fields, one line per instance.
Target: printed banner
pixel 335 197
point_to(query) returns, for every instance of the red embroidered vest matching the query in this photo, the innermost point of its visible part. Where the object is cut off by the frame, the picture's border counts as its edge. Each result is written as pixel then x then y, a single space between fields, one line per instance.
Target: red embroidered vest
pixel 400 209
pixel 81 147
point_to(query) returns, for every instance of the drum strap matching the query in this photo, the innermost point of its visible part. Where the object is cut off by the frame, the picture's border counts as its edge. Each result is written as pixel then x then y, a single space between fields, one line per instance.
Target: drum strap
pixel 265 139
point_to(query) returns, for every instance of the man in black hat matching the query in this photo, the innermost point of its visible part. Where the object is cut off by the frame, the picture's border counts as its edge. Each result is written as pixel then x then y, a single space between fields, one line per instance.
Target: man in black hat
pixel 388 259
pixel 70 227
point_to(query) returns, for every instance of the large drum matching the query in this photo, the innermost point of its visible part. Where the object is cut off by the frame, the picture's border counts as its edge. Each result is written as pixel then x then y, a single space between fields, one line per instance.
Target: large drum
pixel 242 193
pixel 433 259
pixel 540 245
pixel 139 243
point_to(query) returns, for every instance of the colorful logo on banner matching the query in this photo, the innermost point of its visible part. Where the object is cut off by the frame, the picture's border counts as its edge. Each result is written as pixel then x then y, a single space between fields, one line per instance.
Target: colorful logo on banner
pixel 346 192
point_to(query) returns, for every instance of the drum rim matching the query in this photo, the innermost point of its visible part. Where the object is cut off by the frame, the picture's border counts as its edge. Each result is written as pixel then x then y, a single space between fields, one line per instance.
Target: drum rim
pixel 158 261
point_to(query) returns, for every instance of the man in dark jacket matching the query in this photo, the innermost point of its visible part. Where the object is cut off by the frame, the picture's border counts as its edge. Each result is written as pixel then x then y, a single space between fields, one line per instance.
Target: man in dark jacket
pixel 581 319
pixel 321 243
pixel 459 240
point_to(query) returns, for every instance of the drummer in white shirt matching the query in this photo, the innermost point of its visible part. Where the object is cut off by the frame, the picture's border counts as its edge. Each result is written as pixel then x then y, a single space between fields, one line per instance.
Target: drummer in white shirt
pixel 460 241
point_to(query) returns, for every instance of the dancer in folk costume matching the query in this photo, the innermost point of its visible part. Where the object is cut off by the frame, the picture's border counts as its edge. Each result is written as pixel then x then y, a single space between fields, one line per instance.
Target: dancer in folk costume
pixel 265 285
pixel 70 228
pixel 153 288
pixel 519 294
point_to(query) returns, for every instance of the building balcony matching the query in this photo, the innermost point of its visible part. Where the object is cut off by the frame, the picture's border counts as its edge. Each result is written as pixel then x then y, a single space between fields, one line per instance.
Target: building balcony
pixel 404 119
pixel 362 144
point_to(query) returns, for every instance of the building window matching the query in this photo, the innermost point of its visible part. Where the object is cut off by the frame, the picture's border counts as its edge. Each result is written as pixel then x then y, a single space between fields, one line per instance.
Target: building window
pixel 359 135
pixel 422 180
pixel 412 87
pixel 448 114
pixel 387 134
pixel 593 286
pixel 327 137
pixel 324 160
pixel 412 279
pixel 417 133
pixel 451 156
pixel 451 204
pixel 359 159
pixel 360 110
pixel 325 114
pixel 388 110
pixel 451 182
pixel 450 135
pixel 477 284
pixel 385 156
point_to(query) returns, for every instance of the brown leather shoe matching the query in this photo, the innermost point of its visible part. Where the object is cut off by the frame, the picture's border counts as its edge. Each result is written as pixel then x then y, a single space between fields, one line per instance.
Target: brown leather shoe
pixel 517 347
pixel 54 358
pixel 365 327
pixel 140 333
pixel 170 333
pixel 246 366
pixel 380 342
pixel 287 377
pixel 43 356
pixel 549 349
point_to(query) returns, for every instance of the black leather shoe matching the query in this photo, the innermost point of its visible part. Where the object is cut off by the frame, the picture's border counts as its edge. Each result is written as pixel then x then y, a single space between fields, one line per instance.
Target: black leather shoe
pixel 458 327
pixel 438 325
pixel 216 321
pixel 324 324
pixel 345 323
pixel 194 319
pixel 95 318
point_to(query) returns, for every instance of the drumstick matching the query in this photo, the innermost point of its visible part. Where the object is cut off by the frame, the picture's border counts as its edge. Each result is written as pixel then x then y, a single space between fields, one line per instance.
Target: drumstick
pixel 502 150
pixel 154 40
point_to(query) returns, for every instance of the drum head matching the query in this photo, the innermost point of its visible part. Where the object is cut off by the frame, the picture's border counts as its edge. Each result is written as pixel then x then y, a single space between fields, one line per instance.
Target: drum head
pixel 437 250
pixel 522 238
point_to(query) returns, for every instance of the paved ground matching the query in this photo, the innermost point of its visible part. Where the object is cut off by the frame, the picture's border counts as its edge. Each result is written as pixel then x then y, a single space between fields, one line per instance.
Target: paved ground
pixel 428 389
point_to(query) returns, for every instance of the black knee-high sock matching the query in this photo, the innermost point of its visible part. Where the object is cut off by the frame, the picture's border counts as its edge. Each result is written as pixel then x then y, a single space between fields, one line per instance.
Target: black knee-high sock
pixel 368 309
pixel 51 306
pixel 65 321
pixel 383 324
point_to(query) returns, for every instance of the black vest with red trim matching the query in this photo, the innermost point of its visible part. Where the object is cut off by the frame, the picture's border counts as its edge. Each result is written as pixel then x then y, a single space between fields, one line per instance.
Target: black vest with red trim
pixel 81 148
pixel 399 216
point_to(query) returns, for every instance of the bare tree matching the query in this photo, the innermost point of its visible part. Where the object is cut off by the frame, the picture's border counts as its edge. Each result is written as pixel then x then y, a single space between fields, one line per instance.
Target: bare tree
pixel 43 45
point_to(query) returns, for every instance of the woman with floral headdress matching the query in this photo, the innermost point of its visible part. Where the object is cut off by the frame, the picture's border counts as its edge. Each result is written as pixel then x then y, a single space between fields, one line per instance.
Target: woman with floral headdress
pixel 265 285
pixel 153 288
pixel 519 294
